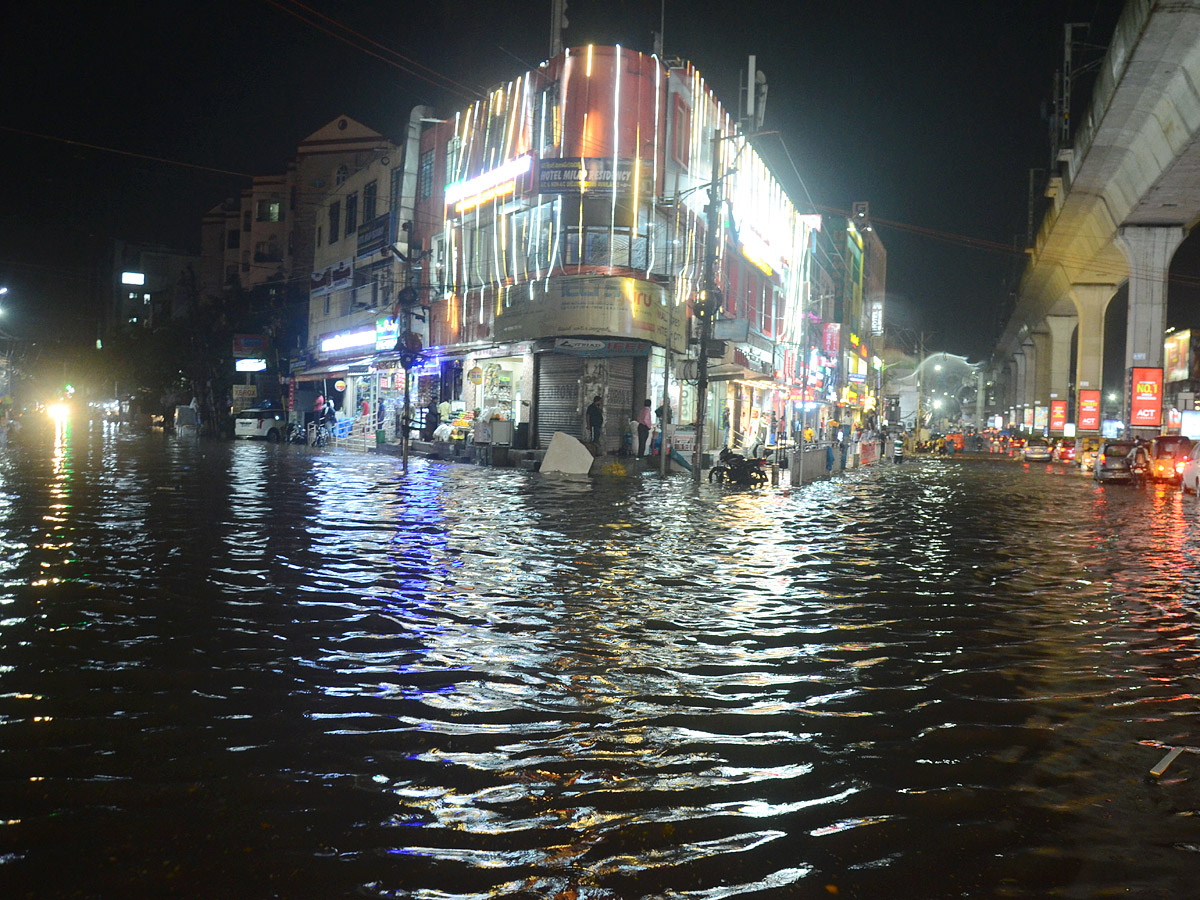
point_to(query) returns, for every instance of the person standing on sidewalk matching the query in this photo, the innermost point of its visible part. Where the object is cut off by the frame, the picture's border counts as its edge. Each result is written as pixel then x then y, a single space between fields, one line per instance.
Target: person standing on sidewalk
pixel 595 421
pixel 644 420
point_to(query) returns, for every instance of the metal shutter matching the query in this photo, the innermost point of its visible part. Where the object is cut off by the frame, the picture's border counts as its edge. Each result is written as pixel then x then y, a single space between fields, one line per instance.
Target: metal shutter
pixel 618 402
pixel 558 397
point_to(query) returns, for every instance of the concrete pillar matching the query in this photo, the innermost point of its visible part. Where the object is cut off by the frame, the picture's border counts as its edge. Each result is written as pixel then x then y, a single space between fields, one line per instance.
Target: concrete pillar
pixel 1041 369
pixel 981 380
pixel 1091 301
pixel 1022 361
pixel 1149 250
pixel 1062 330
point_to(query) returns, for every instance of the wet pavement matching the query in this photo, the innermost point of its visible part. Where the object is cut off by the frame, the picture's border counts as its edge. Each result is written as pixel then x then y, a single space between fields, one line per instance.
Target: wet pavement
pixel 249 671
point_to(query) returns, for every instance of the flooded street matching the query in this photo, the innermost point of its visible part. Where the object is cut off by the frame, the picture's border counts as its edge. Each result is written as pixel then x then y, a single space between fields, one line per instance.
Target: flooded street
pixel 251 671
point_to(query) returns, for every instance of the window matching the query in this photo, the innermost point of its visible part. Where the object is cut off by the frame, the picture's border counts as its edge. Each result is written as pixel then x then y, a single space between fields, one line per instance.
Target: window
pixel 425 176
pixel 233 240
pixel 369 202
pixel 269 211
pixel 267 251
pixel 681 132
pixel 245 220
pixel 340 177
pixel 453 155
pixel 335 217
pixel 318 235
pixel 327 306
pixel 351 214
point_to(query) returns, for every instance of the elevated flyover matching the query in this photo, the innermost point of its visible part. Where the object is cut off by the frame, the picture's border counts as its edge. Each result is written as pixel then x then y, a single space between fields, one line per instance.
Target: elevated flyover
pixel 1125 196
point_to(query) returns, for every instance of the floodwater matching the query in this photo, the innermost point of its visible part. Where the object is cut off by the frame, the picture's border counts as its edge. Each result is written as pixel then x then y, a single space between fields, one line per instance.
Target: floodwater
pixel 252 671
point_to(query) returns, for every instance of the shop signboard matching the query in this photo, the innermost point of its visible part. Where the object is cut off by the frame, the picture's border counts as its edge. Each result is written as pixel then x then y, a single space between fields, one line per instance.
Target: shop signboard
pixel 592 174
pixel 593 306
pixel 833 338
pixel 1189 423
pixel 1089 411
pixel 246 346
pixel 586 347
pixel 387 332
pixel 373 235
pixel 684 441
pixel 1058 415
pixel 1145 397
pixel 332 278
pixel 244 392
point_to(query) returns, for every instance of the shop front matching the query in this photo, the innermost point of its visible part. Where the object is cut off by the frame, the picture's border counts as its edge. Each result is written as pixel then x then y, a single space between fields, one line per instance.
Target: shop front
pixel 573 371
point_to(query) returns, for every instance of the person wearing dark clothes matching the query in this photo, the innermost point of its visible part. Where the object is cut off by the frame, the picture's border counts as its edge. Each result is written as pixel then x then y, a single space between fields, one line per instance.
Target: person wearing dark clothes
pixel 595 421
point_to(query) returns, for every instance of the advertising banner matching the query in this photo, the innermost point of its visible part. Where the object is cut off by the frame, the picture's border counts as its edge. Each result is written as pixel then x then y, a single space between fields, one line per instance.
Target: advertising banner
pixel 373 235
pixel 833 338
pixel 1089 411
pixel 1145 397
pixel 246 346
pixel 1027 421
pixel 1041 416
pixel 591 305
pixel 1058 415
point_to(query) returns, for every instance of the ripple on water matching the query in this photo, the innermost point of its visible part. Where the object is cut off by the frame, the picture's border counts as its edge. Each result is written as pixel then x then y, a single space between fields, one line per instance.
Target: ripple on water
pixel 927 681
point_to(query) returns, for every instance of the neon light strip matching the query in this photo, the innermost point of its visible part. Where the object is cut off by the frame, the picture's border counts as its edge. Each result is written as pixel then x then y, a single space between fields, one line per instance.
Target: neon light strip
pixel 509 171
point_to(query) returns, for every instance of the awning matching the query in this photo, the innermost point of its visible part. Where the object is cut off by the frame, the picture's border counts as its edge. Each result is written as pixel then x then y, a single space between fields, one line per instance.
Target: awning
pixel 339 369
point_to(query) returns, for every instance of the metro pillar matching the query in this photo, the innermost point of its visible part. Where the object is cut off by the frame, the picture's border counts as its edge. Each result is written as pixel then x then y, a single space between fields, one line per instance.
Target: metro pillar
pixel 1149 250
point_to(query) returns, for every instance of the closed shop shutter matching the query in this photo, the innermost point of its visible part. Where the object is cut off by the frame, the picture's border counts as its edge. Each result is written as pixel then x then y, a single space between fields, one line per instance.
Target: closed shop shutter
pixel 618 404
pixel 558 397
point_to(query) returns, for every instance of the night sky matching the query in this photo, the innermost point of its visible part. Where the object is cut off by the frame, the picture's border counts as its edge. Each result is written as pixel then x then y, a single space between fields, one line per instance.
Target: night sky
pixel 932 112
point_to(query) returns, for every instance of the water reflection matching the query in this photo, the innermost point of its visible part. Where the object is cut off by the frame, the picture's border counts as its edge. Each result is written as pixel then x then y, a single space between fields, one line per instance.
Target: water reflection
pixel 255 670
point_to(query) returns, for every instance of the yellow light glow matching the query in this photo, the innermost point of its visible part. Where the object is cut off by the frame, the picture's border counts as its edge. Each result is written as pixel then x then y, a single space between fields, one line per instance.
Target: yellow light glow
pixel 59 412
pixel 589 61
pixel 486 197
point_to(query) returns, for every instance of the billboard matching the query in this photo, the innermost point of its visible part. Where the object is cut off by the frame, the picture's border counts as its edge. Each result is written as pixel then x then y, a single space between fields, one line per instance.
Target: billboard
pixel 1177 354
pixel 1041 416
pixel 1058 415
pixel 1145 397
pixel 1089 411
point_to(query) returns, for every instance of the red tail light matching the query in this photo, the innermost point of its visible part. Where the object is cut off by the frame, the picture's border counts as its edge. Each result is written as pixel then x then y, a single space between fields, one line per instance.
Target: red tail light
pixel 1100 459
pixel 1179 467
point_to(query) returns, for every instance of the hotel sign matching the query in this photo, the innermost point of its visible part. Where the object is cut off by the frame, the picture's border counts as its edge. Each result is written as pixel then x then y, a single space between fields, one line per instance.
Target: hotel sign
pixel 591 174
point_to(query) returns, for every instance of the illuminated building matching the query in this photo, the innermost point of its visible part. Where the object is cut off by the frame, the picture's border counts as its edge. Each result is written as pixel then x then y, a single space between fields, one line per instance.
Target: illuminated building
pixel 564 214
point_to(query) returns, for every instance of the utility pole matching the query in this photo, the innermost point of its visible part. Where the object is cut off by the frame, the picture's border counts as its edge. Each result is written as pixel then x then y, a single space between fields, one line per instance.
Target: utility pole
pixel 708 302
pixel 920 387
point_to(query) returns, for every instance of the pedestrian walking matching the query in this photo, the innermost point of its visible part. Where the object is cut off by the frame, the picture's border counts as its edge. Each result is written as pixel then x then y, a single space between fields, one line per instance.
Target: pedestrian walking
pixel 643 419
pixel 595 421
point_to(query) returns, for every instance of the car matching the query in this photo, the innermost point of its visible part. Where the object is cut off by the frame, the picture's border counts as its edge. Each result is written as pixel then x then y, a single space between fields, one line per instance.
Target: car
pixel 1189 475
pixel 264 421
pixel 1037 450
pixel 1168 452
pixel 1065 451
pixel 1112 461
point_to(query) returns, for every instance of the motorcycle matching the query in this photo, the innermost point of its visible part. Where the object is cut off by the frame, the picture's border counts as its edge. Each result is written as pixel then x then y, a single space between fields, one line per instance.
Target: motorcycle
pixel 737 469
